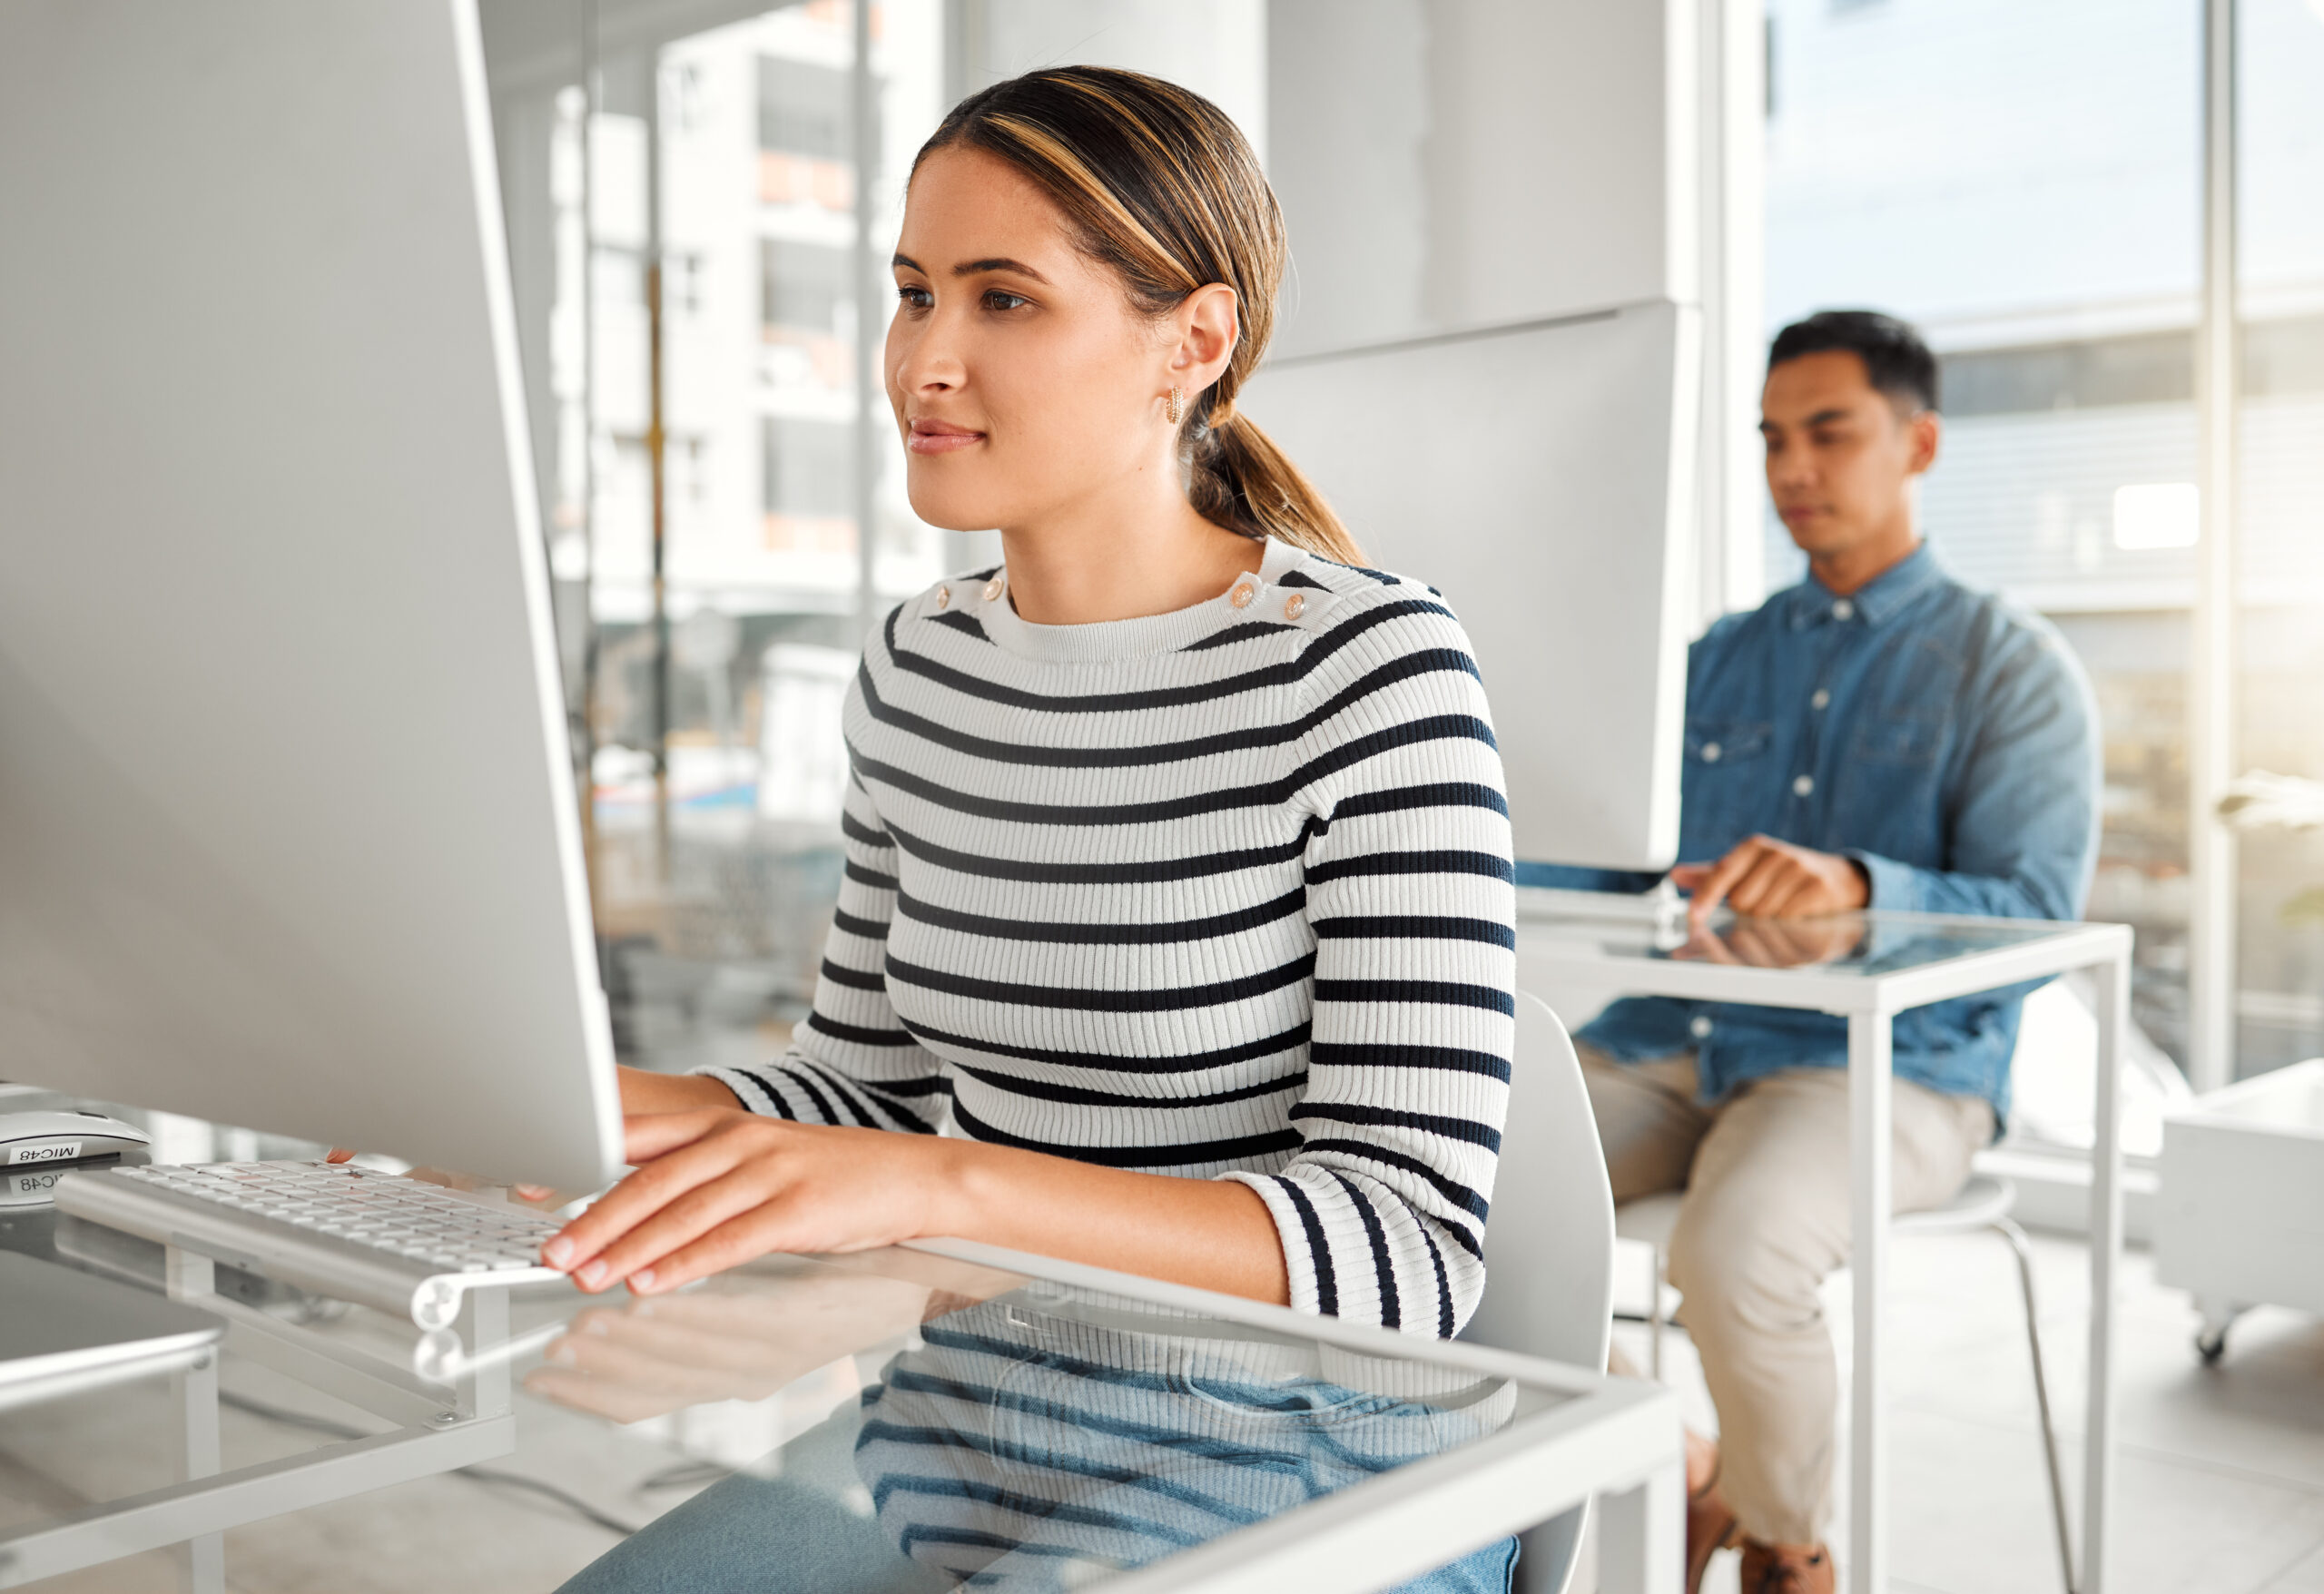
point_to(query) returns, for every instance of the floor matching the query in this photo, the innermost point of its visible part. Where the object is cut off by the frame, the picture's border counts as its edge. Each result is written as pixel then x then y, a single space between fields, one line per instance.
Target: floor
pixel 2221 1483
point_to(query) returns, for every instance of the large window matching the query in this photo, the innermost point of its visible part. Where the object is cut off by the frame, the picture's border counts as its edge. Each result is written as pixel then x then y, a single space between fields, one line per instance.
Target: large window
pixel 688 203
pixel 694 206
pixel 2280 933
pixel 2023 182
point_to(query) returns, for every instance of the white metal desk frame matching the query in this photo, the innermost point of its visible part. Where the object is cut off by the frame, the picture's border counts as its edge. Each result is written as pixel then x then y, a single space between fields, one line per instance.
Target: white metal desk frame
pixel 438 1427
pixel 1617 1439
pixel 1870 1003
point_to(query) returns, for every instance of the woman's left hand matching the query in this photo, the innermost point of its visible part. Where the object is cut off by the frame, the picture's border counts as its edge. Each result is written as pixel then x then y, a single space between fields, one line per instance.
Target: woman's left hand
pixel 715 1187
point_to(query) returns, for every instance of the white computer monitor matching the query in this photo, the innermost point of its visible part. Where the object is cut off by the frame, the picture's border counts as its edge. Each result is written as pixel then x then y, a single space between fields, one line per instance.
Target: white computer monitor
pixel 288 828
pixel 1541 476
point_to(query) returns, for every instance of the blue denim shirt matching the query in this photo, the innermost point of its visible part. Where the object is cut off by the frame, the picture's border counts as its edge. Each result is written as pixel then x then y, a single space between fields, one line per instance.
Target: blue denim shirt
pixel 1946 743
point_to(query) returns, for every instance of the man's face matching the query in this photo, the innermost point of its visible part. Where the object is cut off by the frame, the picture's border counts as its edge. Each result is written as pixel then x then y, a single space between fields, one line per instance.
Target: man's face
pixel 1841 454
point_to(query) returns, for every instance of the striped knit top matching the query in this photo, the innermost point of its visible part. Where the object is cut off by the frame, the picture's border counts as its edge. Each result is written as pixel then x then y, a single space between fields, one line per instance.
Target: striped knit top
pixel 1220 893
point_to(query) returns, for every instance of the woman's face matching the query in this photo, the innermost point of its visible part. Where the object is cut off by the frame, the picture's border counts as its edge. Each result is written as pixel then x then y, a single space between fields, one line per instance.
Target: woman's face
pixel 1024 384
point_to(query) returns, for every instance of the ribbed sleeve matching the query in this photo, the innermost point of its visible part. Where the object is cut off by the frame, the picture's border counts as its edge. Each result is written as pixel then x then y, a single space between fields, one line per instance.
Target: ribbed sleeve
pixel 1224 892
pixel 851 1061
pixel 1409 895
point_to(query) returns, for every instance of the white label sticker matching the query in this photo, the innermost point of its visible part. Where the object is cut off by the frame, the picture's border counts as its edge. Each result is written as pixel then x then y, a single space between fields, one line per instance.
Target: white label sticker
pixel 44 1151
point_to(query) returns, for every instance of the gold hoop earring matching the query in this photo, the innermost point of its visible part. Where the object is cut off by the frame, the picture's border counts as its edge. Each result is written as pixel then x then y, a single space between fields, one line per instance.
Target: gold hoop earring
pixel 1175 408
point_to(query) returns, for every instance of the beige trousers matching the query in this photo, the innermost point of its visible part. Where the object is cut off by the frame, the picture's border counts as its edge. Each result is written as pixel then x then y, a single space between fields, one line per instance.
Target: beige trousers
pixel 1764 1220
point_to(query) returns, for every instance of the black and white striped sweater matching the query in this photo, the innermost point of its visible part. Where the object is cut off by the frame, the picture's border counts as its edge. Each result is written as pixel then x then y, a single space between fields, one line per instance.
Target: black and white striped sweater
pixel 1221 893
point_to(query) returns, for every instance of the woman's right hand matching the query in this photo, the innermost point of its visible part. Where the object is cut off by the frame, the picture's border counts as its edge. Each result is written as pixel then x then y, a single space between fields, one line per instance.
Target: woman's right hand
pixel 643 1091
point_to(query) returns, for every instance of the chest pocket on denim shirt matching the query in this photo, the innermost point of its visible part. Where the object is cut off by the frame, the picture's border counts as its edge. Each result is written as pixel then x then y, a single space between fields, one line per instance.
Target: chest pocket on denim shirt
pixel 1725 741
pixel 1726 778
pixel 1904 714
pixel 1906 740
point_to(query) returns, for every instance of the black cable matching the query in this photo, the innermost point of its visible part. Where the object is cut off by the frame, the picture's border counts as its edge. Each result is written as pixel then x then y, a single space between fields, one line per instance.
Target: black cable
pixel 571 1502
pixel 285 1415
pixel 325 1425
pixel 686 1475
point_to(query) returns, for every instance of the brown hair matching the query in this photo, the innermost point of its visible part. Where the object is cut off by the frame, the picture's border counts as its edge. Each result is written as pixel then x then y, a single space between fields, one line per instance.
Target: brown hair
pixel 1160 184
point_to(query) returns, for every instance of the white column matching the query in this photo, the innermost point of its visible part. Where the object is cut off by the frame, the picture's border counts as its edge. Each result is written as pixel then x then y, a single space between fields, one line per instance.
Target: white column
pixel 2210 697
pixel 1734 248
pixel 871 327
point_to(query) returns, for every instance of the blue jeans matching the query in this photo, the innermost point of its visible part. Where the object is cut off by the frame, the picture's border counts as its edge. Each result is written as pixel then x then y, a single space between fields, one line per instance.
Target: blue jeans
pixel 796 1534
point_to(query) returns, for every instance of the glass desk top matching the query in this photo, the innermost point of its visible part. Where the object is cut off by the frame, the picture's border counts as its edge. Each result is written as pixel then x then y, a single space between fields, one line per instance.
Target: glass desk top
pixel 1653 929
pixel 1010 1431
pixel 896 1419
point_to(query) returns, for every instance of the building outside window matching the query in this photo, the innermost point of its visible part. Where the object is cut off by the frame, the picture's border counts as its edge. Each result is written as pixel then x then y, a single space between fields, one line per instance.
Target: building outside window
pixel 2024 182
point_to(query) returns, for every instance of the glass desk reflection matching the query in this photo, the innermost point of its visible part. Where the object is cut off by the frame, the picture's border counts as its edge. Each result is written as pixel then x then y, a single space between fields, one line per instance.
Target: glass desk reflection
pixel 954 1416
pixel 1043 1439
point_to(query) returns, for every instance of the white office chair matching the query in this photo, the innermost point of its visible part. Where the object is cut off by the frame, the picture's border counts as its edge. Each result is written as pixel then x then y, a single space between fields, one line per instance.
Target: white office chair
pixel 1984 1203
pixel 1550 1246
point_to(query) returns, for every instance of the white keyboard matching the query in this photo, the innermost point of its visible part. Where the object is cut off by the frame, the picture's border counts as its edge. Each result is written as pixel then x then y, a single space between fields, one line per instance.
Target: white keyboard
pixel 368 1236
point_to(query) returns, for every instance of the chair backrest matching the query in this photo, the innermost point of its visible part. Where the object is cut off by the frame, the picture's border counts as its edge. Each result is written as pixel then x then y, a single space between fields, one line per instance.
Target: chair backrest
pixel 1550 1245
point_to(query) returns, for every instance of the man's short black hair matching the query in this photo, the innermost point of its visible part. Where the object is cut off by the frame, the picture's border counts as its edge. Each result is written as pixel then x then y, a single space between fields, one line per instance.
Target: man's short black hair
pixel 1896 359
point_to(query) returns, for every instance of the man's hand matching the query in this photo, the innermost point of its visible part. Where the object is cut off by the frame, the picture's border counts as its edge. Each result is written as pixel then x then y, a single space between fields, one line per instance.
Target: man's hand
pixel 1769 879
pixel 1774 943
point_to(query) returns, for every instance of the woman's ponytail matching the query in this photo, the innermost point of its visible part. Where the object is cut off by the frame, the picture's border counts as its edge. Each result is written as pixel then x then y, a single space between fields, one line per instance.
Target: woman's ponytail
pixel 1242 481
pixel 1161 185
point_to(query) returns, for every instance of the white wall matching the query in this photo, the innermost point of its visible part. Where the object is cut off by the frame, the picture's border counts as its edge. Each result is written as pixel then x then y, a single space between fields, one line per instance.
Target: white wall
pixel 1457 163
pixel 1451 165
pixel 1216 47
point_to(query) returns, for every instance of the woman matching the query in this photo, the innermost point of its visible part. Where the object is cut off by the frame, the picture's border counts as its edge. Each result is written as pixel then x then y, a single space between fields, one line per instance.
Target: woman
pixel 1177 866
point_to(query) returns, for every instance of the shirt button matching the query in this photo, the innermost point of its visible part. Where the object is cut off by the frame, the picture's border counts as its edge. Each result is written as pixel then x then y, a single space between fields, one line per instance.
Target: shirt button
pixel 1294 606
pixel 995 587
pixel 1710 751
pixel 1700 1028
pixel 1803 785
pixel 1844 610
pixel 1242 595
pixel 1822 699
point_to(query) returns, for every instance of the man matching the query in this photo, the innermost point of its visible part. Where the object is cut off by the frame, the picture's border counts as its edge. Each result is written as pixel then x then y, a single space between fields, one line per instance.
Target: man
pixel 1875 736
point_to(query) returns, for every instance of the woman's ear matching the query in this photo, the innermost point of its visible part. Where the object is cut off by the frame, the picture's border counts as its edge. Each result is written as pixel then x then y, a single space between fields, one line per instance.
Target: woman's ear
pixel 1208 333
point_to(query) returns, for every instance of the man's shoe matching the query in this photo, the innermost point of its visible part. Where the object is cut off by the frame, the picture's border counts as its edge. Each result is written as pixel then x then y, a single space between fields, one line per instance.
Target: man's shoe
pixel 1710 1523
pixel 1787 1569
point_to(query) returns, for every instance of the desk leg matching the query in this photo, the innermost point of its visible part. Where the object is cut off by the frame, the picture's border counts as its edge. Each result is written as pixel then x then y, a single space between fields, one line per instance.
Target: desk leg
pixel 2114 978
pixel 1872 1138
pixel 1642 1535
pixel 194 1393
pixel 484 1389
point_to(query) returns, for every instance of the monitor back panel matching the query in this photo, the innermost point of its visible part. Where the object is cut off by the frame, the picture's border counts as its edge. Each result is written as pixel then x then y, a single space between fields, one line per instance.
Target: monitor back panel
pixel 287 833
pixel 1541 477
